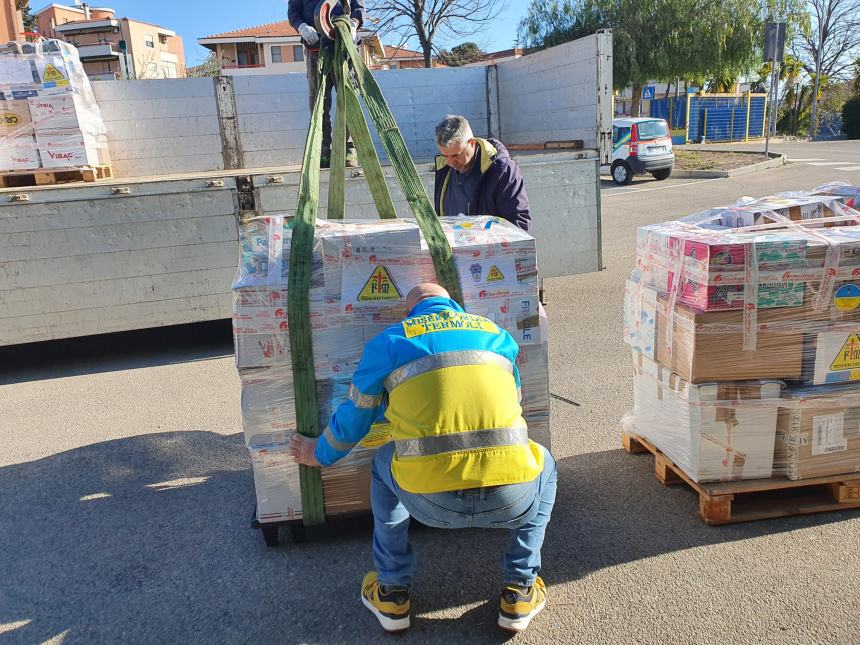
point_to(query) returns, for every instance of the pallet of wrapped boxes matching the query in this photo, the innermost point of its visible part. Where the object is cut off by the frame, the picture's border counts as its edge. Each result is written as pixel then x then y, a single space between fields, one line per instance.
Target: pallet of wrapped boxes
pixel 361 273
pixel 744 325
pixel 51 129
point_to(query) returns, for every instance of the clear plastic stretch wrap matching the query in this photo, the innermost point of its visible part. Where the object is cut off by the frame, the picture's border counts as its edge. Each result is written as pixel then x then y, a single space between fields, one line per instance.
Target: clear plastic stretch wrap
pixel 745 328
pixel 361 273
pixel 48 112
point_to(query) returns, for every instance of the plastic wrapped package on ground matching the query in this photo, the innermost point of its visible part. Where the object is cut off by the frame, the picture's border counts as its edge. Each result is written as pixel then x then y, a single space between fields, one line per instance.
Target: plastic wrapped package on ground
pixel 818 432
pixel 725 305
pixel 713 431
pixel 850 194
pixel 50 118
pixel 361 274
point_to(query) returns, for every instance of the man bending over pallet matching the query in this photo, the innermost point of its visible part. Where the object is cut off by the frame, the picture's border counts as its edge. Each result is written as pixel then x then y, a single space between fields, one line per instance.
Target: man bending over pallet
pixel 459 454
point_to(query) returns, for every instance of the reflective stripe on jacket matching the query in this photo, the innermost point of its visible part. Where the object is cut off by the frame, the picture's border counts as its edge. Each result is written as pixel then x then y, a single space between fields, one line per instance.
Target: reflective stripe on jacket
pixel 452 389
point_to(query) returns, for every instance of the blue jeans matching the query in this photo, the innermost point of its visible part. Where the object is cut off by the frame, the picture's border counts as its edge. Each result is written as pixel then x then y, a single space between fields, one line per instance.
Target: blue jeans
pixel 524 509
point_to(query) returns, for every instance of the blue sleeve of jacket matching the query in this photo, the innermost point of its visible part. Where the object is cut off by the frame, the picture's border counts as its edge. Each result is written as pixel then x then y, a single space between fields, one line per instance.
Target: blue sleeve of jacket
pixel 295 14
pixel 510 196
pixel 352 420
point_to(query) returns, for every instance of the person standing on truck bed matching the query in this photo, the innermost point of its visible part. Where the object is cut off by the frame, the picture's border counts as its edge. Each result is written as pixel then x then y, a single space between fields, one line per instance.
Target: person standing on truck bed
pixel 301 16
pixel 458 454
pixel 477 176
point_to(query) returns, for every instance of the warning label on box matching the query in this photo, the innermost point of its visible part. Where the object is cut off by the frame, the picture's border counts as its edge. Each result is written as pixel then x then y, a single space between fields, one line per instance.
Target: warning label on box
pixel 379 286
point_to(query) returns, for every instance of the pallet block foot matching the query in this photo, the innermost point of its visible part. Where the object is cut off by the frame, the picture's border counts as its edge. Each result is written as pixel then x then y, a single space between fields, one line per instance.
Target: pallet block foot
pixel 665 471
pixel 716 509
pixel 631 444
pixel 846 492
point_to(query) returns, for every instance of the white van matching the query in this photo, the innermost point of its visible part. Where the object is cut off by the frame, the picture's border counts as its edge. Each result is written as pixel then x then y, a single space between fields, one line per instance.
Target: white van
pixel 640 145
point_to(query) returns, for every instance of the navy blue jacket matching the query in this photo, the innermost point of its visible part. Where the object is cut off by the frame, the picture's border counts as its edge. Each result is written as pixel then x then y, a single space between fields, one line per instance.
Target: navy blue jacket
pixel 300 11
pixel 500 192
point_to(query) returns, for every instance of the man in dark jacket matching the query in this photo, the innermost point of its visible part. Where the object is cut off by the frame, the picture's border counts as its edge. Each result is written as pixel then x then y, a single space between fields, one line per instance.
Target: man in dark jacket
pixel 477 176
pixel 301 16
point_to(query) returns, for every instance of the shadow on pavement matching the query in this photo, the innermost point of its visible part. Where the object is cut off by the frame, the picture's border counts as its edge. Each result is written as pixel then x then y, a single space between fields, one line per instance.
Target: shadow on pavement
pixel 147 539
pixel 114 352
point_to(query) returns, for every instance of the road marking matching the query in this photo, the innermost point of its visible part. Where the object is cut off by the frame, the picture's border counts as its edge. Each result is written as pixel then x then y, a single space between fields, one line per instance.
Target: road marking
pixel 809 159
pixel 848 168
pixel 648 190
pixel 824 163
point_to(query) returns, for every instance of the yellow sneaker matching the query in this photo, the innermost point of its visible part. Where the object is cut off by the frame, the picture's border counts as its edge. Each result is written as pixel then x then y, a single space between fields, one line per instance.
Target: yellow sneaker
pixel 518 605
pixel 391 605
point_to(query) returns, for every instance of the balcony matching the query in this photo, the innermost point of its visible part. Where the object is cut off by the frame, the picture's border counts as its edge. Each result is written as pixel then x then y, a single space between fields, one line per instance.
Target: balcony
pixel 103 51
pixel 87 26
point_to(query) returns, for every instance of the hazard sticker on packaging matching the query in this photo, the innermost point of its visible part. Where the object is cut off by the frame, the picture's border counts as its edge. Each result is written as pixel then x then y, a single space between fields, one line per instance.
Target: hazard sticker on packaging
pixel 379 283
pixel 837 357
pixel 379 286
pixel 51 73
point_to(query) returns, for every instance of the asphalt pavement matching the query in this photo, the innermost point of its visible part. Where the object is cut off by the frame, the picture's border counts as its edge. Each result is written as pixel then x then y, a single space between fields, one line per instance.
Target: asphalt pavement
pixel 126 496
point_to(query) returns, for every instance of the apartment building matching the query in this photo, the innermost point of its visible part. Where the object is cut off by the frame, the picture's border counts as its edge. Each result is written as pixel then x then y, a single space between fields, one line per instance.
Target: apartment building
pixel 111 47
pixel 11 25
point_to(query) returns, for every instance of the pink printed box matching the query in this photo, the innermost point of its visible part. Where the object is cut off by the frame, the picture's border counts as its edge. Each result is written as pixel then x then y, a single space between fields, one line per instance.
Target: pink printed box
pixel 703 252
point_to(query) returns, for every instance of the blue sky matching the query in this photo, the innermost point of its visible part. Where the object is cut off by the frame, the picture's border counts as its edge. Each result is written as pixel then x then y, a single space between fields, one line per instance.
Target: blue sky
pixel 193 19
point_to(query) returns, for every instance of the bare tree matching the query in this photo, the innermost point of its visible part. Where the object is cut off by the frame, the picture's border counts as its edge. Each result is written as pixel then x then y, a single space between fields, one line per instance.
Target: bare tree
pixel 827 43
pixel 429 20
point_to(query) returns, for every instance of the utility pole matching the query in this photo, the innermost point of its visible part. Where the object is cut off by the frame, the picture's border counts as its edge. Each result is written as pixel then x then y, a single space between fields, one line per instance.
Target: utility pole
pixel 813 115
pixel 774 47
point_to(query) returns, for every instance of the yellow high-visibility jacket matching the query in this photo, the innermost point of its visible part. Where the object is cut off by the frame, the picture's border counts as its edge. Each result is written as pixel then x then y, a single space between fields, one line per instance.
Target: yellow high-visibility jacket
pixel 449 387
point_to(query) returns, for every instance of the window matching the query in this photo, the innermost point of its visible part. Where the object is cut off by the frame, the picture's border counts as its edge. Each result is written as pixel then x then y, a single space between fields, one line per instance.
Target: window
pixel 298 53
pixel 392 66
pixel 170 70
pixel 276 54
pixel 652 129
pixel 162 38
pixel 151 70
pixel 149 41
pixel 620 134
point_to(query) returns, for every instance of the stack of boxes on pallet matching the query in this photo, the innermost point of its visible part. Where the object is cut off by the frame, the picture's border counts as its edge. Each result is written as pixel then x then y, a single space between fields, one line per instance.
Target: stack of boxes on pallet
pixel 361 273
pixel 50 118
pixel 745 328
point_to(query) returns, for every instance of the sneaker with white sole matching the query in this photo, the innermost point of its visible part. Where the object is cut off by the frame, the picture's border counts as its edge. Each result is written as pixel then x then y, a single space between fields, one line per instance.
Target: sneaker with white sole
pixel 518 605
pixel 391 605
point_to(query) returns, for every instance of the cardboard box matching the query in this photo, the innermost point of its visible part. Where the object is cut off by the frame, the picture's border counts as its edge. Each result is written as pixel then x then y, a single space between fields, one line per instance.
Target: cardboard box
pixel 19 153
pixel 713 431
pixel 708 346
pixel 64 112
pixel 69 149
pixel 15 120
pixel 262 350
pixel 818 432
pixel 276 482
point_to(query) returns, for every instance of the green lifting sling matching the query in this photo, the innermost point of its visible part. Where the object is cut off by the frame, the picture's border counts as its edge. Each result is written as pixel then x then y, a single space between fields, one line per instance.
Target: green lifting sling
pixel 335 62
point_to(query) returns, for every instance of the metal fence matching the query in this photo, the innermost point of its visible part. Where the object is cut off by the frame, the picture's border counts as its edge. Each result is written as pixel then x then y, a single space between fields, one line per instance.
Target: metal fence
pixel 671 108
pixel 725 117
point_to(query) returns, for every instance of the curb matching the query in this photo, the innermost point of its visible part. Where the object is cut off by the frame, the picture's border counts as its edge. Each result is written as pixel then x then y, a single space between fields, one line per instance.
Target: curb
pixel 777 159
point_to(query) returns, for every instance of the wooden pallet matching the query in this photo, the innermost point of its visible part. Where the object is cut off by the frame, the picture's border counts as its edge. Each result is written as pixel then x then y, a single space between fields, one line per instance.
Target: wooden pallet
pixel 47 176
pixel 754 499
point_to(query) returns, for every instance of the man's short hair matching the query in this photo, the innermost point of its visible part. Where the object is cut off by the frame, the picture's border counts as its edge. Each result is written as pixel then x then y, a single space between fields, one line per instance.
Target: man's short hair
pixel 453 129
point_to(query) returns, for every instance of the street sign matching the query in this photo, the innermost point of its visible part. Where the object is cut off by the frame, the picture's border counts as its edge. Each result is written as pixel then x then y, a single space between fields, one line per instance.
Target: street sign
pixel 774 41
pixel 648 92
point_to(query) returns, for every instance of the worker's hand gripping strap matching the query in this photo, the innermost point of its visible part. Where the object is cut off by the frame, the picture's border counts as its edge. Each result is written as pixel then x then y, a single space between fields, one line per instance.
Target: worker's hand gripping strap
pixel 298 309
pixel 398 154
